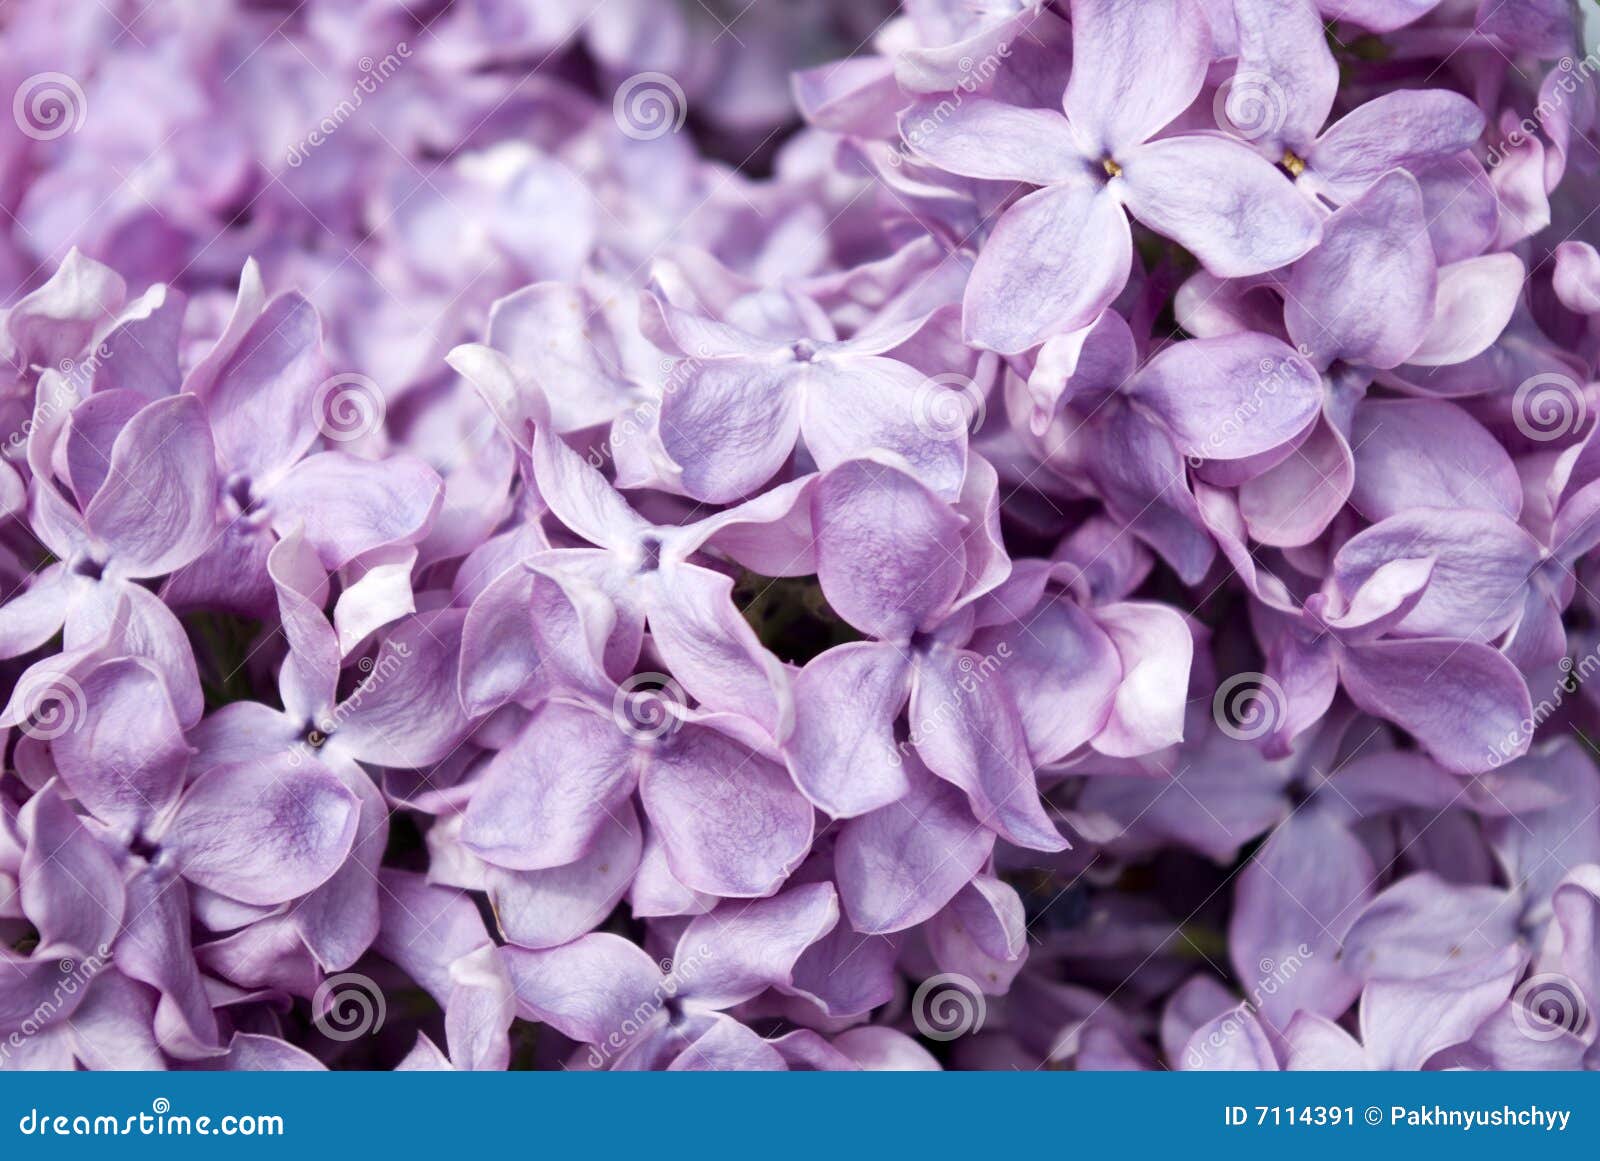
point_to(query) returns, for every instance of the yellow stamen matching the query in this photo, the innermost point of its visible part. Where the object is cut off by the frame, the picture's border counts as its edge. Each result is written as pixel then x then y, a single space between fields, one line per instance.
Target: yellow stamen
pixel 1112 168
pixel 1293 163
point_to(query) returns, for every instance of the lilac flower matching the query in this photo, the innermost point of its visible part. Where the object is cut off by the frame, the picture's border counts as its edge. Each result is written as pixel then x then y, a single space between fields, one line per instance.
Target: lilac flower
pixel 641 1018
pixel 846 398
pixel 1058 257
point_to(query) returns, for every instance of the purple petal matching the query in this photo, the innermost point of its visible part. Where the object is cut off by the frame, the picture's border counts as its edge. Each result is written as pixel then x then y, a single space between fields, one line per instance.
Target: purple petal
pixel 1421 453
pixel 348 506
pixel 1366 294
pixel 1286 79
pixel 983 138
pixel 1135 67
pixel 900 864
pixel 728 1046
pixel 737 951
pixel 1054 261
pixel 731 820
pixel 156 510
pixel 126 760
pixel 1397 130
pixel 1481 561
pixel 842 749
pixel 1155 647
pixel 544 800
pixel 1463 701
pixel 881 555
pixel 713 650
pixel 1475 301
pixel 263 833
pixel 549 907
pixel 861 404
pixel 1230 398
pixel 590 989
pixel 1293 902
pixel 1423 925
pixel 71 890
pixel 1404 1022
pixel 262 401
pixel 968 732
pixel 730 425
pixel 1235 211
pixel 405 712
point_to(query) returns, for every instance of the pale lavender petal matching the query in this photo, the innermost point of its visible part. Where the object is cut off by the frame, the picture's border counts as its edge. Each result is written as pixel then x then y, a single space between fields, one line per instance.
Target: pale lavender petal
pixel 1233 210
pixel 1054 261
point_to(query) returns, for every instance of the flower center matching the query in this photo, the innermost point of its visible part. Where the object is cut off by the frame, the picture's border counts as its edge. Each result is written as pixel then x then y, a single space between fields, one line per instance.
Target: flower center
pixel 1293 162
pixel 88 566
pixel 1111 167
pixel 240 495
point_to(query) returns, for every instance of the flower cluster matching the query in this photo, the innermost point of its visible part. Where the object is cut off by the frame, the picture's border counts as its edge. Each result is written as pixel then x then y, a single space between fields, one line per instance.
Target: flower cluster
pixel 1033 534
